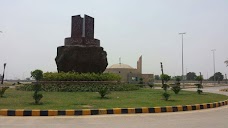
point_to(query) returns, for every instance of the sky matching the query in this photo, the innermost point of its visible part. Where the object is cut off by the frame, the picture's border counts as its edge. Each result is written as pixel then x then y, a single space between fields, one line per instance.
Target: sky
pixel 33 29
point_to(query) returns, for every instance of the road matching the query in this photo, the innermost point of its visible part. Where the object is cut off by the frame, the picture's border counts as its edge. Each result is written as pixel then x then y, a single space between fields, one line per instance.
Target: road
pixel 208 118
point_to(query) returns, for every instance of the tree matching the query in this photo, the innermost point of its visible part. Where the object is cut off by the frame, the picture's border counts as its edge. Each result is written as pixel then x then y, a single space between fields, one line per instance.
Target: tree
pixel 176 88
pixel 157 77
pixel 199 85
pixel 191 76
pixel 37 74
pixel 218 77
pixel 165 77
pixel 226 62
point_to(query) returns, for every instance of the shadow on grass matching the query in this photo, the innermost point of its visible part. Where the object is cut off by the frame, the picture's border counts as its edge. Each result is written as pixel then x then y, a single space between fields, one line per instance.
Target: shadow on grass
pixel 41 103
pixel 104 98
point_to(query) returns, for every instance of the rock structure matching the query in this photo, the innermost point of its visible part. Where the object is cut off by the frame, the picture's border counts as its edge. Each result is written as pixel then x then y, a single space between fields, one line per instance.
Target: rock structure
pixel 82 52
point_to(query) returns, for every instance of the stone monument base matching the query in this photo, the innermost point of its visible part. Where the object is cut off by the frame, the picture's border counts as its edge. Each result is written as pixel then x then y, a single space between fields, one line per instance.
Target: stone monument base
pixel 81 59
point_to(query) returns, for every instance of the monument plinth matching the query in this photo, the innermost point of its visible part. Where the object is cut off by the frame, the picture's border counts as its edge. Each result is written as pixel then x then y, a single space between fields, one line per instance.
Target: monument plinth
pixel 81 52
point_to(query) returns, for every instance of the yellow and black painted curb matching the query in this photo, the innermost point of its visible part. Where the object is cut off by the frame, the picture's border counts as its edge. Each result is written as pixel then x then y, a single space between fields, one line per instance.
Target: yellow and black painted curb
pixel 21 112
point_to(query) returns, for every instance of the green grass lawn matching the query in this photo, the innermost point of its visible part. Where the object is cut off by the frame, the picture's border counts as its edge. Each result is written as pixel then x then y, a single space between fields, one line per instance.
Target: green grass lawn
pixel 83 100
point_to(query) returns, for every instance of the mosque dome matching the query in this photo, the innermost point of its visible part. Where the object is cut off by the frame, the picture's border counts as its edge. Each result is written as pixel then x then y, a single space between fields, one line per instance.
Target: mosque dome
pixel 121 65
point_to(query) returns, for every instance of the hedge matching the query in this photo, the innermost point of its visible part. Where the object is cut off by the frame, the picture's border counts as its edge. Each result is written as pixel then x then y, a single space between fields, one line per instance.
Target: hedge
pixel 74 76
pixel 79 87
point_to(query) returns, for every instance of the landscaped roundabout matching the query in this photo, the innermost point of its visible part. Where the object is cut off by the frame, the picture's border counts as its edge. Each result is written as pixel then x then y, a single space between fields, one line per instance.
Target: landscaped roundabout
pixel 128 99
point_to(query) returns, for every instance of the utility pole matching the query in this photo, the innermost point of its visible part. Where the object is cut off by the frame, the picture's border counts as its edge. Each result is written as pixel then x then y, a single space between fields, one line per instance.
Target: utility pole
pixel 182 35
pixel 226 78
pixel 3 73
pixel 162 73
pixel 213 50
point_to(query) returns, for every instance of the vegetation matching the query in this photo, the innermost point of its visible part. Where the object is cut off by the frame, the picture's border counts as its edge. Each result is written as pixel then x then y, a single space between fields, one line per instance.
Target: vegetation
pixel 156 77
pixel 37 74
pixel 151 85
pixel 218 77
pixel 82 100
pixel 165 86
pixel 199 86
pixel 37 96
pixel 176 88
pixel 166 96
pixel 2 90
pixel 191 76
pixel 80 87
pixel 103 91
pixel 140 80
pixel 165 78
pixel 74 76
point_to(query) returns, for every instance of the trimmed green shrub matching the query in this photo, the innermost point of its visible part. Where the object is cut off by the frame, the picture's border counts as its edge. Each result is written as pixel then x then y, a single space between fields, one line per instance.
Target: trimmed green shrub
pixel 103 91
pixel 37 96
pixel 176 89
pixel 166 96
pixel 37 74
pixel 151 85
pixel 2 90
pixel 79 87
pixel 165 87
pixel 74 76
pixel 199 86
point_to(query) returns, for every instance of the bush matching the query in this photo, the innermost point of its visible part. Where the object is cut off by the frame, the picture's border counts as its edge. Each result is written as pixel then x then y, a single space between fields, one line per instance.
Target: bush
pixel 165 86
pixel 2 90
pixel 166 96
pixel 199 91
pixel 37 74
pixel 199 86
pixel 103 91
pixel 37 96
pixel 176 88
pixel 79 87
pixel 151 85
pixel 74 76
pixel 140 80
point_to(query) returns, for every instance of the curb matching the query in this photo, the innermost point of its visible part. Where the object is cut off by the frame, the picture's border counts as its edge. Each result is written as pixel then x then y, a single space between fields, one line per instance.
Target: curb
pixel 21 112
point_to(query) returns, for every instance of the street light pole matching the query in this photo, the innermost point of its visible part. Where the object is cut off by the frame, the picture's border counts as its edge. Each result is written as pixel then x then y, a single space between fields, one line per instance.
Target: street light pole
pixel 213 50
pixel 182 35
pixel 3 73
pixel 226 78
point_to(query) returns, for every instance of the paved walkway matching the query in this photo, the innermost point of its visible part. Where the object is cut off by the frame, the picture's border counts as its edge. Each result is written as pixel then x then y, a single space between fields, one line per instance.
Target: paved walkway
pixel 207 118
pixel 213 89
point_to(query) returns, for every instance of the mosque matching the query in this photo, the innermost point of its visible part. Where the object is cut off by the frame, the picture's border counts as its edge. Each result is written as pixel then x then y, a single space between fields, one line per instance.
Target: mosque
pixel 130 74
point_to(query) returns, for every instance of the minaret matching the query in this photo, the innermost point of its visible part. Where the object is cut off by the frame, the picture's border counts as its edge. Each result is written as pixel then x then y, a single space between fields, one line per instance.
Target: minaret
pixel 139 65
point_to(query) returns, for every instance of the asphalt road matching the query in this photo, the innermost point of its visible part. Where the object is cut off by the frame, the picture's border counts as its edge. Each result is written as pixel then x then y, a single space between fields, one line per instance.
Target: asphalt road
pixel 208 118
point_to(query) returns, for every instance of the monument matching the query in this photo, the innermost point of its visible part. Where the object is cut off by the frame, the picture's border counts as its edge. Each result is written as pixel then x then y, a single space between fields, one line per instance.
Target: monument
pixel 81 52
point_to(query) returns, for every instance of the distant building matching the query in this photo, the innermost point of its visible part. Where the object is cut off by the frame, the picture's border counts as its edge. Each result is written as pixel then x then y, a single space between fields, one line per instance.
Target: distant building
pixel 130 74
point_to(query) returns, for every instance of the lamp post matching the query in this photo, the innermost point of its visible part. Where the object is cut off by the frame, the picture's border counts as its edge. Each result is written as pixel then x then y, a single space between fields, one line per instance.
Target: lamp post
pixel 3 73
pixel 213 50
pixel 226 78
pixel 182 35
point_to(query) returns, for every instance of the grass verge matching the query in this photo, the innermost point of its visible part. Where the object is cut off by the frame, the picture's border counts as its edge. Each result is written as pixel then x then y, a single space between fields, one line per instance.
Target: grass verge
pixel 145 97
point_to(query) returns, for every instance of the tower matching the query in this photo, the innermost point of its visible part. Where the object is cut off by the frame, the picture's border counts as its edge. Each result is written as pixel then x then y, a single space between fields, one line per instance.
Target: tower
pixel 139 65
